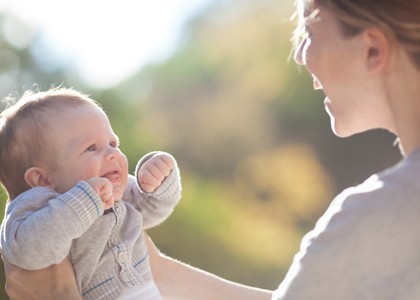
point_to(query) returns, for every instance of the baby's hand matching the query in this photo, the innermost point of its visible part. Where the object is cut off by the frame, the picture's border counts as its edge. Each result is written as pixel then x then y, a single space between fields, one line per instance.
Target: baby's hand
pixel 154 170
pixel 104 188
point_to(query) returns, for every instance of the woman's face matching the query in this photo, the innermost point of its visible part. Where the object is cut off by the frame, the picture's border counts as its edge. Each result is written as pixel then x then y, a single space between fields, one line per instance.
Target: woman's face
pixel 338 66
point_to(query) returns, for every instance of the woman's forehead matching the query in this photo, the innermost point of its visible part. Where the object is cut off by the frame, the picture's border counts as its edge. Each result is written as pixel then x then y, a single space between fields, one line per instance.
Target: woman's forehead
pixel 309 12
pixel 305 8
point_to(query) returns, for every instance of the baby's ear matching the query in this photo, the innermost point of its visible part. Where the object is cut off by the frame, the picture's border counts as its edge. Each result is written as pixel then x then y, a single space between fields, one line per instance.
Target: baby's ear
pixel 36 176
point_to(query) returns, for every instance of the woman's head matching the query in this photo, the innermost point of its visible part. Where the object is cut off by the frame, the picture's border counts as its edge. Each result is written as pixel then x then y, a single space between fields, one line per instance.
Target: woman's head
pixel 357 52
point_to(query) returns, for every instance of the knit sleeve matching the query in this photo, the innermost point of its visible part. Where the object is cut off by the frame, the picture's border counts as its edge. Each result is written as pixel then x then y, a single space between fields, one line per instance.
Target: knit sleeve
pixel 158 205
pixel 40 225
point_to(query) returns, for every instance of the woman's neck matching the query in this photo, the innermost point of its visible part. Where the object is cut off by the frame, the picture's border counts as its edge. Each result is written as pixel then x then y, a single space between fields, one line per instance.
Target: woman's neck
pixel 403 92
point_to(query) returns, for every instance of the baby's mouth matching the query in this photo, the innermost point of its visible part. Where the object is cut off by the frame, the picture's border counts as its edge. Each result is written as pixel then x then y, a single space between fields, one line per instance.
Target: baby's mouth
pixel 112 176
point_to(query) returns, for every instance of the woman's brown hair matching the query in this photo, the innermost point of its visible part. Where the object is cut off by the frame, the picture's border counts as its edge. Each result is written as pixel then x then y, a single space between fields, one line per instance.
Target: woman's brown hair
pixel 399 20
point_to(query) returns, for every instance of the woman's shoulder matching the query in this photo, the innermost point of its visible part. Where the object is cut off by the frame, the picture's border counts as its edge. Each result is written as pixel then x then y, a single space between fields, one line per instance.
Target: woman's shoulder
pixel 365 231
pixel 398 183
pixel 389 198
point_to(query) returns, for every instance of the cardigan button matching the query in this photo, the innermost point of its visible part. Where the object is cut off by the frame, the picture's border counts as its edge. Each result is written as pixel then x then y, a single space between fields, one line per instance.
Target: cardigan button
pixel 122 256
pixel 126 276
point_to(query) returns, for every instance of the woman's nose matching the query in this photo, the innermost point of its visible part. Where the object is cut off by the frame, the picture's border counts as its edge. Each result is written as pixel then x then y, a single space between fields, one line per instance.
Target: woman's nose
pixel 298 55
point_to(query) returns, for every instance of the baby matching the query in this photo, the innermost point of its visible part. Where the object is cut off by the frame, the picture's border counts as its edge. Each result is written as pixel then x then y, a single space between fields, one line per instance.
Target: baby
pixel 70 195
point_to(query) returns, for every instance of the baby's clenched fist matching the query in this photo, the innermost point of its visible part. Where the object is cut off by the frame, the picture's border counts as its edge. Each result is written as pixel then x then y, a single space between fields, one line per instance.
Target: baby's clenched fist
pixel 104 188
pixel 152 173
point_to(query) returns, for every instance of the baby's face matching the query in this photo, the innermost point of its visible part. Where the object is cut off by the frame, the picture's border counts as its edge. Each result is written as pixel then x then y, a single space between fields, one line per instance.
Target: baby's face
pixel 85 146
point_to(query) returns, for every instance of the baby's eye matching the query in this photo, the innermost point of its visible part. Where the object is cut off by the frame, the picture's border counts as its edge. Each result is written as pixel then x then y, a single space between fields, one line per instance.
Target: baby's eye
pixel 113 144
pixel 91 148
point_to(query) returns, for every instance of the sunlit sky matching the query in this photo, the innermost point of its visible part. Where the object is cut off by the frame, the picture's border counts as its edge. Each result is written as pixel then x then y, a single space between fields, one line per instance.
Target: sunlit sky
pixel 107 40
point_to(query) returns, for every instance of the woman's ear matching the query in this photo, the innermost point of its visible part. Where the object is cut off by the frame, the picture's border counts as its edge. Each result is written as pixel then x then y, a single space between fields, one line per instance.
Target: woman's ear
pixel 378 49
pixel 36 176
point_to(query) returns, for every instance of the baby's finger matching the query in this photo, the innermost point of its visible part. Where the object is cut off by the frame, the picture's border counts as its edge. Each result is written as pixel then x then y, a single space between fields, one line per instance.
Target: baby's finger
pixel 108 203
pixel 148 187
pixel 107 195
pixel 162 166
pixel 156 172
pixel 149 178
pixel 168 160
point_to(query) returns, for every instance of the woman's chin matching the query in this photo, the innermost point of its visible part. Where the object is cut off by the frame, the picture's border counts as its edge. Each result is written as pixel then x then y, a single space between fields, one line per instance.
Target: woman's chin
pixel 339 134
pixel 340 131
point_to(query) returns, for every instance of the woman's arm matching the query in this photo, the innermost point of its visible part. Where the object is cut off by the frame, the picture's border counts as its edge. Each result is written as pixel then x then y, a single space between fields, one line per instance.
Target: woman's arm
pixel 54 282
pixel 177 280
pixel 174 279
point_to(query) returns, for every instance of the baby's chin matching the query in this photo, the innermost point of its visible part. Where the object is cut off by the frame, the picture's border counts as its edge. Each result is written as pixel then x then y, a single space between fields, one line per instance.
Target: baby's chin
pixel 118 194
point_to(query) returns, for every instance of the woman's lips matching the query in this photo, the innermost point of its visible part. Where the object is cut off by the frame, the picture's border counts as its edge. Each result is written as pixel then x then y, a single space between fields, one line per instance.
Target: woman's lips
pixel 316 84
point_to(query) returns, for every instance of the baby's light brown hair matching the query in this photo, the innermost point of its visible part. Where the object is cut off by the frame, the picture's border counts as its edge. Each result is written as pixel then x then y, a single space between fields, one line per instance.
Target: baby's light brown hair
pixel 24 129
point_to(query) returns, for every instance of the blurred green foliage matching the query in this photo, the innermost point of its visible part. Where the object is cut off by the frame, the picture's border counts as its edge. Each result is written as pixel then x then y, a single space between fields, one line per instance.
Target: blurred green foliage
pixel 258 161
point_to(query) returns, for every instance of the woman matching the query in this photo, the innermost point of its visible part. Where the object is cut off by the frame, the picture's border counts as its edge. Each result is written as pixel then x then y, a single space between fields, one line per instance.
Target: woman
pixel 365 55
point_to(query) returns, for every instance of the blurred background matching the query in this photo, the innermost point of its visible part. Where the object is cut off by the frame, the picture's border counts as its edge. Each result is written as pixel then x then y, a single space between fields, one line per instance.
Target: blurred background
pixel 213 83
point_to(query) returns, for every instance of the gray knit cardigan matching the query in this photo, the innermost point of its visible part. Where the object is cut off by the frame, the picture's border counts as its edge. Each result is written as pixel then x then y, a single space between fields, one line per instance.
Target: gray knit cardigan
pixel 107 249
